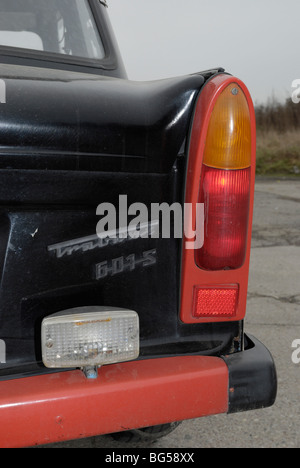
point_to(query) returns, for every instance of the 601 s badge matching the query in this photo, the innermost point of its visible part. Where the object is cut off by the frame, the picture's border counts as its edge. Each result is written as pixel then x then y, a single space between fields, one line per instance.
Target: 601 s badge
pixel 119 265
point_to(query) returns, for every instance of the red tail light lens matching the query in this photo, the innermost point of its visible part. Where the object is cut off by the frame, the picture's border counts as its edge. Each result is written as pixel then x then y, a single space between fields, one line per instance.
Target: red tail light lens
pixel 226 198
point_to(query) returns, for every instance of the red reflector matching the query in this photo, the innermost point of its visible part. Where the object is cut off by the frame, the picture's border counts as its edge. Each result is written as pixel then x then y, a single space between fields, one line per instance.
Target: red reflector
pixel 226 198
pixel 215 301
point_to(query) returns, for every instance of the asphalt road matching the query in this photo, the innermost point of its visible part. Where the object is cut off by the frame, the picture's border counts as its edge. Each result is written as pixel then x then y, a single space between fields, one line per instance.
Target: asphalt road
pixel 273 316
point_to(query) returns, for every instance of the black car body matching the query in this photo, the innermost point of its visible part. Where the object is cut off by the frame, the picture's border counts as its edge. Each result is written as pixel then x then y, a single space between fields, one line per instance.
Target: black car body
pixel 75 133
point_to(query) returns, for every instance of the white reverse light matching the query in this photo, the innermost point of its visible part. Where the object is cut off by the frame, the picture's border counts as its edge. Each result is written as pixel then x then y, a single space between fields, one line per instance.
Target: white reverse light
pixel 90 336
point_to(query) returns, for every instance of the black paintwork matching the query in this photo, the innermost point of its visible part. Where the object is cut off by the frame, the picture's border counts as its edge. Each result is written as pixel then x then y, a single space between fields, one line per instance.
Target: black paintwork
pixel 69 142
pixel 68 121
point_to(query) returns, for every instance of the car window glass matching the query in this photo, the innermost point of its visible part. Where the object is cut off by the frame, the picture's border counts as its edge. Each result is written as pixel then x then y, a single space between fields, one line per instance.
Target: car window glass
pixel 64 27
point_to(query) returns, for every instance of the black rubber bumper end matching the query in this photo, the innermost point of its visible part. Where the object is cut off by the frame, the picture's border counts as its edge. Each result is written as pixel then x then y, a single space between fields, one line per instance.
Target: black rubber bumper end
pixel 252 377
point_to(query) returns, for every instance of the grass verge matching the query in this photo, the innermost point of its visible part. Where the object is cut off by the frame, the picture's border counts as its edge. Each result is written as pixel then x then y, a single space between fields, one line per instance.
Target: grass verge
pixel 278 154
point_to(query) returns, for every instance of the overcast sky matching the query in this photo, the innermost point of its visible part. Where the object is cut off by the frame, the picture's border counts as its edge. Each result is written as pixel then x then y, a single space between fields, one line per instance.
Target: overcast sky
pixel 256 40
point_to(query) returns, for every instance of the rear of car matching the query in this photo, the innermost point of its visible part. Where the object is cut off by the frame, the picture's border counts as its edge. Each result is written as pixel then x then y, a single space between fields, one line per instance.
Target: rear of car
pixel 125 240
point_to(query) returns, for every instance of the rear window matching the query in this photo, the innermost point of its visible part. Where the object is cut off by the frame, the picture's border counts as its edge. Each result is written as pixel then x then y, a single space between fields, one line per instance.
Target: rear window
pixel 64 27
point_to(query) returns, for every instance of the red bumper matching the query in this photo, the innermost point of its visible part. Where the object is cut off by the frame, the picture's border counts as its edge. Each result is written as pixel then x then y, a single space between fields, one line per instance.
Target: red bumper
pixel 65 406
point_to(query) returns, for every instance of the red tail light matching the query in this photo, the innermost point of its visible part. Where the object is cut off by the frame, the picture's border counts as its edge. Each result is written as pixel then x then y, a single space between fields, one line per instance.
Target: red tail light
pixel 226 197
pixel 221 175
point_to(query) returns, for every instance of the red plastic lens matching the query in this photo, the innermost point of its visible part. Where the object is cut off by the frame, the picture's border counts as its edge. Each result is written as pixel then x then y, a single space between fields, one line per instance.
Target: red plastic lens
pixel 226 198
pixel 215 301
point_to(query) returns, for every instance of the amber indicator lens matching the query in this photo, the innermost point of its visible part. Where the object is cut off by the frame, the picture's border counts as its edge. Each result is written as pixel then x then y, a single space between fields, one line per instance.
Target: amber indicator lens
pixel 228 143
